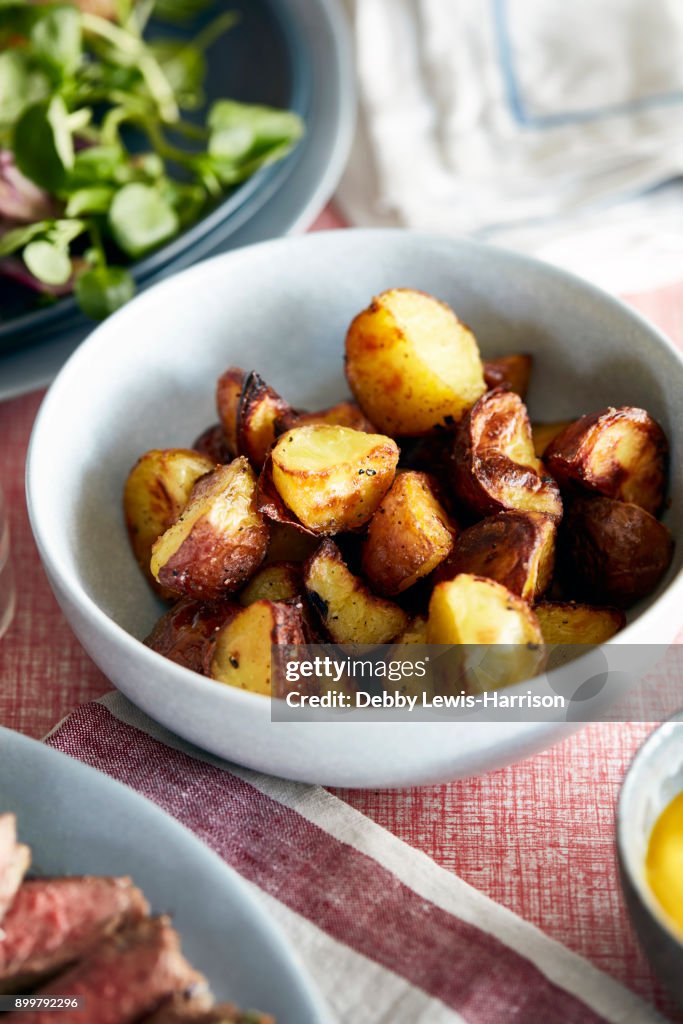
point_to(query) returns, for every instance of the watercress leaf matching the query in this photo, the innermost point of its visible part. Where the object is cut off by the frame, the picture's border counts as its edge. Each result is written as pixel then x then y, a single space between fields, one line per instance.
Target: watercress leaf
pixel 92 199
pixel 20 85
pixel 43 146
pixel 184 67
pixel 56 38
pixel 140 218
pixel 96 165
pixel 103 290
pixel 62 232
pixel 239 130
pixel 48 262
pixel 19 237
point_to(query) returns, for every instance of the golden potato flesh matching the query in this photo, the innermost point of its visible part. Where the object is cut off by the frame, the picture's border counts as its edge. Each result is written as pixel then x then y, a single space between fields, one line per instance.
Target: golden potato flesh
pixel 344 414
pixel 543 433
pixel 258 411
pixel 476 611
pixel 156 491
pixel 219 540
pixel 510 372
pixel 346 607
pixel 279 581
pixel 241 653
pixel 570 623
pixel 228 393
pixel 411 364
pixel 514 548
pixel 415 632
pixel 332 478
pixel 613 552
pixel 408 536
pixel 494 466
pixel 619 453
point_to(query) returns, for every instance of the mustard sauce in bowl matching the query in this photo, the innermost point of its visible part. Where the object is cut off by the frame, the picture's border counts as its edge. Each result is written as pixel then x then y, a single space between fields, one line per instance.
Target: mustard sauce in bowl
pixel 664 862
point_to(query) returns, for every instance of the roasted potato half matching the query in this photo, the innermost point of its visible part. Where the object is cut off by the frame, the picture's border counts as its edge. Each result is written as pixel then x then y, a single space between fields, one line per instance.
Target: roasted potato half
pixel 494 465
pixel 344 414
pixel 619 453
pixel 258 411
pixel 514 548
pixel 569 623
pixel 411 364
pixel 613 552
pixel 478 612
pixel 184 632
pixel 219 540
pixel 510 372
pixel 240 654
pixel 279 581
pixel 408 536
pixel 415 632
pixel 348 610
pixel 543 433
pixel 228 394
pixel 156 491
pixel 332 478
pixel 211 442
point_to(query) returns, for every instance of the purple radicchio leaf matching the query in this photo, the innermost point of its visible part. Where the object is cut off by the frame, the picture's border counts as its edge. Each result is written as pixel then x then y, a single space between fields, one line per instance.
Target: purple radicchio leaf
pixel 20 200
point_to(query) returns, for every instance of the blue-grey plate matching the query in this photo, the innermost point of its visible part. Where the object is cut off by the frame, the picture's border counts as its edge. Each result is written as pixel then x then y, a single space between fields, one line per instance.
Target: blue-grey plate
pixel 79 821
pixel 263 59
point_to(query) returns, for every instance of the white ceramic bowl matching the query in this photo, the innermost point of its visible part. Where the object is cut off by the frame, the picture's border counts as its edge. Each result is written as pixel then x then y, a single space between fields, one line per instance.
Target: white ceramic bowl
pixel 145 379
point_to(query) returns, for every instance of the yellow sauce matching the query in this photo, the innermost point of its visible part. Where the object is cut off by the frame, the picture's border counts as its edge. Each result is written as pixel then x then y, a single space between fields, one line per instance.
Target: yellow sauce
pixel 664 864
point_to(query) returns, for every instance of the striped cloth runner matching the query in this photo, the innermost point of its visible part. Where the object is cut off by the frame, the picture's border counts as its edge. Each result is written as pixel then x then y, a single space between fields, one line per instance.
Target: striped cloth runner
pixel 388 936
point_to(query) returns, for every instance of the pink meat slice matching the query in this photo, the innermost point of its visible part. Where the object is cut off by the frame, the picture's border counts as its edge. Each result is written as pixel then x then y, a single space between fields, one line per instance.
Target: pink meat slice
pixel 123 979
pixel 15 859
pixel 53 922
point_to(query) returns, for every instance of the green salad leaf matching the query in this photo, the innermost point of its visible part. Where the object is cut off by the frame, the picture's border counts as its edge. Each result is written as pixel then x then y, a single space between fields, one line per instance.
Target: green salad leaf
pixel 103 290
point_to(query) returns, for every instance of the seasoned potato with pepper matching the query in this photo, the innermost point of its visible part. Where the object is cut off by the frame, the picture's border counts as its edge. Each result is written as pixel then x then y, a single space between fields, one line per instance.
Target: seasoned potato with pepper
pixel 348 610
pixel 258 410
pixel 567 622
pixel 156 491
pixel 408 536
pixel 619 453
pixel 614 552
pixel 514 548
pixel 344 414
pixel 184 632
pixel 510 372
pixel 228 393
pixel 240 652
pixel 477 611
pixel 494 465
pixel 219 540
pixel 543 433
pixel 279 581
pixel 411 364
pixel 332 478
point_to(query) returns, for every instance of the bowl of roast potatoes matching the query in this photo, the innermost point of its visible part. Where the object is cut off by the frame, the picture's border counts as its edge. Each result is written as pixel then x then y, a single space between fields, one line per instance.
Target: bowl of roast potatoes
pixel 357 438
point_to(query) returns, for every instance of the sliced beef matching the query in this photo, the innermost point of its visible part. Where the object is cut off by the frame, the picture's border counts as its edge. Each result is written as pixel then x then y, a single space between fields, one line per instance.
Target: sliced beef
pixel 123 979
pixel 181 1010
pixel 14 862
pixel 53 922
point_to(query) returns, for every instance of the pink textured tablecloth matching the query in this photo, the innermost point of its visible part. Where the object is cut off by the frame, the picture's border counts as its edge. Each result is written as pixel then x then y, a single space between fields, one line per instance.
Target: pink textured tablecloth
pixel 537 837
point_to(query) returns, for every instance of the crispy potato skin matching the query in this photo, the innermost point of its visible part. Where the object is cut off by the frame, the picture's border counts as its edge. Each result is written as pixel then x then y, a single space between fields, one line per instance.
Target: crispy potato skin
pixel 258 410
pixel 332 478
pixel 344 414
pixel 219 540
pixel 228 394
pixel 240 653
pixel 494 467
pixel 183 633
pixel 619 453
pixel 408 536
pixel 347 609
pixel 614 552
pixel 517 549
pixel 567 622
pixel 543 433
pixel 156 491
pixel 211 442
pixel 510 372
pixel 279 581
pixel 411 364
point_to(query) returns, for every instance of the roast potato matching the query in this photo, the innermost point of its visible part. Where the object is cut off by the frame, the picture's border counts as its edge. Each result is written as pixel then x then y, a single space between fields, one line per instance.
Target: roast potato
pixel 156 491
pixel 613 552
pixel 211 442
pixel 543 433
pixel 510 372
pixel 347 609
pixel 289 544
pixel 219 540
pixel 183 633
pixel 344 414
pixel 332 478
pixel 494 465
pixel 415 632
pixel 619 453
pixel 228 393
pixel 567 622
pixel 411 364
pixel 279 581
pixel 258 410
pixel 408 536
pixel 514 548
pixel 476 611
pixel 240 654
